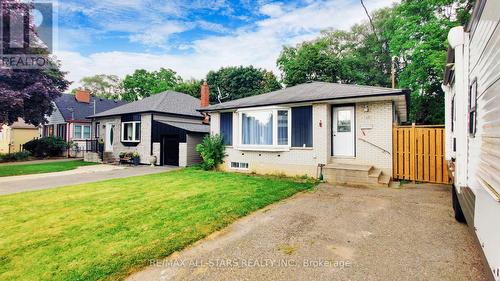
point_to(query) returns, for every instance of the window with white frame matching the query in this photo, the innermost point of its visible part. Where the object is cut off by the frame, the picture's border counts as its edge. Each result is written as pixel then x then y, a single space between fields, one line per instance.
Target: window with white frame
pixel 131 131
pixel 239 165
pixel 81 132
pixel 266 127
pixel 473 108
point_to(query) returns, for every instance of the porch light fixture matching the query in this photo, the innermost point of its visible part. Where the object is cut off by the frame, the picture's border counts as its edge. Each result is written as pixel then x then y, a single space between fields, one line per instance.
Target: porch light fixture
pixel 366 108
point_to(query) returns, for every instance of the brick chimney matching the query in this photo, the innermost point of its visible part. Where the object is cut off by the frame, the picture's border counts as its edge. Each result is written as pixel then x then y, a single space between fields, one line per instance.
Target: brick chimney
pixel 205 100
pixel 205 95
pixel 82 96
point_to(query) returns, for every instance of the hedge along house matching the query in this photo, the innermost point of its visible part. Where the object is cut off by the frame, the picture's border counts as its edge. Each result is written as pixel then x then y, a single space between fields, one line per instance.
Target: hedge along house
pixel 166 125
pixel 346 128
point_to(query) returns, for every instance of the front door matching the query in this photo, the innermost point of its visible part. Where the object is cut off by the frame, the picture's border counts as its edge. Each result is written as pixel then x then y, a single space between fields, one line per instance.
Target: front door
pixel 110 135
pixel 170 150
pixel 343 129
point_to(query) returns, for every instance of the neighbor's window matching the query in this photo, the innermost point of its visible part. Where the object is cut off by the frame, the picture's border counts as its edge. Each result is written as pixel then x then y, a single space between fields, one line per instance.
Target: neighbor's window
pixel 131 131
pixel 81 132
pixel 265 127
pixel 226 127
pixel 302 126
pixel 473 108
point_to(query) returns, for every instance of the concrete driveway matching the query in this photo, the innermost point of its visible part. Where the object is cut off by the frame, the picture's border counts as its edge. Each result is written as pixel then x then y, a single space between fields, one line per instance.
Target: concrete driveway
pixel 79 175
pixel 336 233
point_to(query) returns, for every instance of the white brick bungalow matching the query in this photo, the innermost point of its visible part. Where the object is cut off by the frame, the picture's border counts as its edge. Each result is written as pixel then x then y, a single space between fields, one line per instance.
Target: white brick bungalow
pixel 295 130
pixel 166 125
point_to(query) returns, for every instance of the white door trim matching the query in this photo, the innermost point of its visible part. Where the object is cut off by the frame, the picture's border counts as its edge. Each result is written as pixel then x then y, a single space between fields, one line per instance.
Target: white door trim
pixel 344 143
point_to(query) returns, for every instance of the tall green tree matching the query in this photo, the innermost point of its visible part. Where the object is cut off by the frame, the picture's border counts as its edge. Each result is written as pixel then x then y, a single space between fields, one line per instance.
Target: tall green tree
pixel 191 87
pixel 412 32
pixel 239 82
pixel 104 86
pixel 417 36
pixel 143 83
pixel 357 56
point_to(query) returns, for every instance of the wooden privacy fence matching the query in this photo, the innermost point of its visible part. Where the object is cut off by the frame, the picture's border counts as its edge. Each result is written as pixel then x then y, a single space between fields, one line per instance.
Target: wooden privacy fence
pixel 418 153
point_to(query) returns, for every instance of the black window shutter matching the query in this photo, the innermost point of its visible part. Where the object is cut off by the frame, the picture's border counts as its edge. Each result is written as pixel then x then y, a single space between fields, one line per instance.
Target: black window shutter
pixel 302 126
pixel 226 127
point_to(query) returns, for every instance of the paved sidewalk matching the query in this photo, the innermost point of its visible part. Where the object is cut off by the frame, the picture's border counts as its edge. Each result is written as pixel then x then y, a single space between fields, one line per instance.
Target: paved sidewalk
pixel 79 175
pixel 336 233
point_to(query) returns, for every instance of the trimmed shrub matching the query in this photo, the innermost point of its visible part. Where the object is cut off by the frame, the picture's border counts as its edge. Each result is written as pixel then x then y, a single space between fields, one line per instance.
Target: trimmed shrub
pixel 47 146
pixel 212 151
pixel 16 156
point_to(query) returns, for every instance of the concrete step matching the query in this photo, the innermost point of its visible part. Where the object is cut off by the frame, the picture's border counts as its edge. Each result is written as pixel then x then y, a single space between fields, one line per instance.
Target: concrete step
pixel 375 173
pixel 352 167
pixel 355 175
pixel 384 179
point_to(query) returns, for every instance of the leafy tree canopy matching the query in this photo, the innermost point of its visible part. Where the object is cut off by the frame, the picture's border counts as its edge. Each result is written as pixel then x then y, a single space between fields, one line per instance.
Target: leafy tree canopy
pixel 239 82
pixel 104 86
pixel 190 87
pixel 416 33
pixel 412 32
pixel 143 83
pixel 29 93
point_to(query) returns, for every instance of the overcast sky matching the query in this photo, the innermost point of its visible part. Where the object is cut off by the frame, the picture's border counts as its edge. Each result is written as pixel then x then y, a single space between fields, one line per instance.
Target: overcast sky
pixel 190 37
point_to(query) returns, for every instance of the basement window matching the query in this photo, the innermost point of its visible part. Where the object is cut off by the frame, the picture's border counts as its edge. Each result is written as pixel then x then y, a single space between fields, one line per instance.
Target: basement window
pixel 239 165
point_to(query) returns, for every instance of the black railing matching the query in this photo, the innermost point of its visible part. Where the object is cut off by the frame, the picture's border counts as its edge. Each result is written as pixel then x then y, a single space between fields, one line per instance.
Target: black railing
pixel 94 146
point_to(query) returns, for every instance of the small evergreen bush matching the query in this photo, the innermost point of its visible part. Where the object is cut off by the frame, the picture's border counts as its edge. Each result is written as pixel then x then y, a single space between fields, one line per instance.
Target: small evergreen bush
pixel 212 151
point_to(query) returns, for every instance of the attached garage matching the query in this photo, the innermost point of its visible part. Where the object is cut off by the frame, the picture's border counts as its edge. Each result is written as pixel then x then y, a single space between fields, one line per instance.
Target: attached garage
pixel 178 141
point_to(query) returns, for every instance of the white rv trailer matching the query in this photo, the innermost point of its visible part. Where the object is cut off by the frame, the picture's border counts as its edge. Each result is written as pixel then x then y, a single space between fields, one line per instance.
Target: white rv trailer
pixel 472 98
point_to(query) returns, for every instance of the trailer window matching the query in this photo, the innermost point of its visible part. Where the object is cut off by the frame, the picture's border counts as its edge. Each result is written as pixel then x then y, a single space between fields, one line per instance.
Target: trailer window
pixel 473 108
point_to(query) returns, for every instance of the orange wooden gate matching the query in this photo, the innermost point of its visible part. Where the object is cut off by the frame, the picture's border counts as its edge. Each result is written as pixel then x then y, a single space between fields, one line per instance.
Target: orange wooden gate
pixel 418 153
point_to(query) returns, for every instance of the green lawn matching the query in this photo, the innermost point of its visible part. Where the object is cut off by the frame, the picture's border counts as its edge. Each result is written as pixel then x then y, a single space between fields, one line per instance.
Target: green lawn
pixel 40 168
pixel 107 230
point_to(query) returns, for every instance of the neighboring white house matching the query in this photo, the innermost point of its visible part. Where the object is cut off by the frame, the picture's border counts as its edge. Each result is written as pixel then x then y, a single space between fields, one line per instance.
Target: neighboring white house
pixel 472 94
pixel 299 129
pixel 165 125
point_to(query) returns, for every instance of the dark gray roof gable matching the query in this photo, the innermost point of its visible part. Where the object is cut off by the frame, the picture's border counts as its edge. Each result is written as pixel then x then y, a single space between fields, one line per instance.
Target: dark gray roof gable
pixel 308 92
pixel 74 110
pixel 168 102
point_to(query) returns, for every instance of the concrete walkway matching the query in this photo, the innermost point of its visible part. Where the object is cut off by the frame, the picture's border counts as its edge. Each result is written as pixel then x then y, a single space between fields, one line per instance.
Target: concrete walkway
pixel 79 175
pixel 336 233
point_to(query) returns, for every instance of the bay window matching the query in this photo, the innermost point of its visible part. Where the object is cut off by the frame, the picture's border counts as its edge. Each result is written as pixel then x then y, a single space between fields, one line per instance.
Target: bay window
pixel 131 131
pixel 265 128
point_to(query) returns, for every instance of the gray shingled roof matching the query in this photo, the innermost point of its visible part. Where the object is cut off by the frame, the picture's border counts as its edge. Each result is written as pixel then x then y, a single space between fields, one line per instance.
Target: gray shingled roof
pixel 71 109
pixel 190 127
pixel 308 92
pixel 166 102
